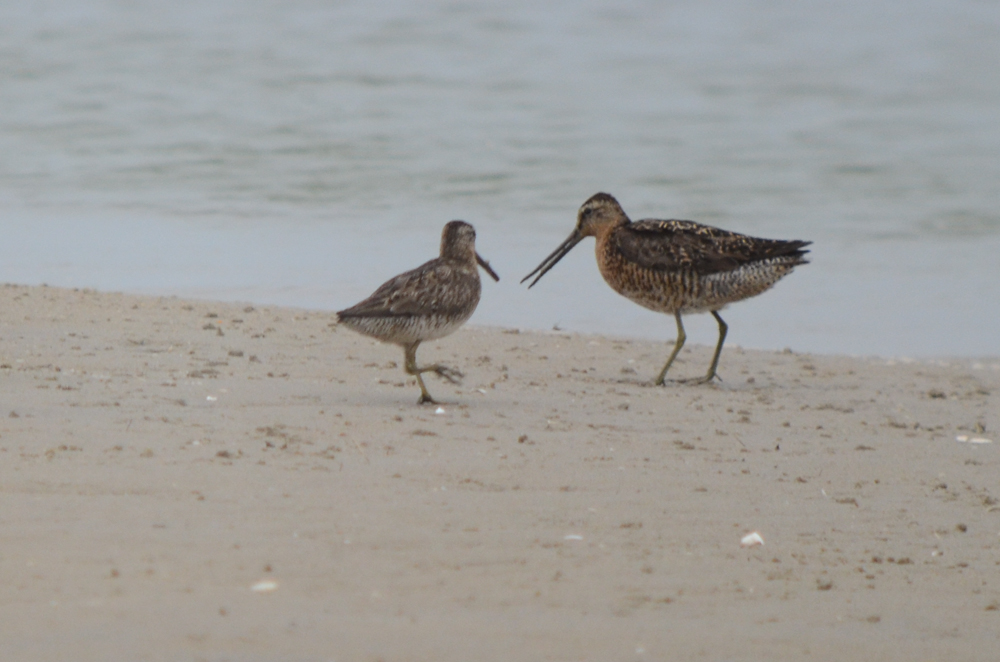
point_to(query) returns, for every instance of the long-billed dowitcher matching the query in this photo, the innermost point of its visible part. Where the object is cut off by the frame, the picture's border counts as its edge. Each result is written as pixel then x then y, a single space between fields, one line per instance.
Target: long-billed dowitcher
pixel 427 303
pixel 677 267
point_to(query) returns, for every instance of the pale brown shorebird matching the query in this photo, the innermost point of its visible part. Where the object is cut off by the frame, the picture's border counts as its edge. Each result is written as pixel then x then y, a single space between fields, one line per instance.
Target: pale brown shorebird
pixel 427 303
pixel 677 267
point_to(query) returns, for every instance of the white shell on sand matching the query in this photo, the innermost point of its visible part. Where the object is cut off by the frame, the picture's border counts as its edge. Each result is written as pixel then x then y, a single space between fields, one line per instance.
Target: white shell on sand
pixel 966 439
pixel 264 586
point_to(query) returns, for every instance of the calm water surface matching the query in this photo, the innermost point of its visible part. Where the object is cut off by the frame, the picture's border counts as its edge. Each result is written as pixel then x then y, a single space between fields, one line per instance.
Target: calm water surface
pixel 301 152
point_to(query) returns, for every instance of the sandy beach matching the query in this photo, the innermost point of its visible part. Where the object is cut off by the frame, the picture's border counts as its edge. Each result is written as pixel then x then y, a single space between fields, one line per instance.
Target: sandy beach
pixel 190 480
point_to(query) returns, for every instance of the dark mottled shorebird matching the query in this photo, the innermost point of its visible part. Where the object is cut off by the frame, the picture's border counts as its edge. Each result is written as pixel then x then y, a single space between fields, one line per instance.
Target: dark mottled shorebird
pixel 677 267
pixel 427 303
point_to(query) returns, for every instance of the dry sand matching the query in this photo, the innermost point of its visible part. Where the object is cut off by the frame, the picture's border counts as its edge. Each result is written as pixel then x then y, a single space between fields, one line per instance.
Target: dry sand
pixel 161 459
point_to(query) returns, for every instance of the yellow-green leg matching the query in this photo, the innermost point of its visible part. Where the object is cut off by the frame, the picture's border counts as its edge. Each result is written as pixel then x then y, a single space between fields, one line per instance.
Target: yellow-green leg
pixel 412 368
pixel 681 337
pixel 710 375
pixel 723 329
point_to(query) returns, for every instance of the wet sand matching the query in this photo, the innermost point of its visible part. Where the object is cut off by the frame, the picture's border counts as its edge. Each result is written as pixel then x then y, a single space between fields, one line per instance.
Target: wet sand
pixel 189 480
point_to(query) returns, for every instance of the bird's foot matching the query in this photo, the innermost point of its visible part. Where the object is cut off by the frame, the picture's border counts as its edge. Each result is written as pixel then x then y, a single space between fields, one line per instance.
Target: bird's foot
pixel 451 374
pixel 689 381
pixel 694 381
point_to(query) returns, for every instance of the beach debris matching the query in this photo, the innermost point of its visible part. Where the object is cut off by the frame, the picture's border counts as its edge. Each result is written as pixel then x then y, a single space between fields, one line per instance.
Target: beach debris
pixel 211 398
pixel 573 536
pixel 752 539
pixel 439 410
pixel 966 439
pixel 264 586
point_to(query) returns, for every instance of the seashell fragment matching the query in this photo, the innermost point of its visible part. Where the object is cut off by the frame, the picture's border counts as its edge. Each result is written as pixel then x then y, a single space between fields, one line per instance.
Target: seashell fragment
pixel 966 439
pixel 264 586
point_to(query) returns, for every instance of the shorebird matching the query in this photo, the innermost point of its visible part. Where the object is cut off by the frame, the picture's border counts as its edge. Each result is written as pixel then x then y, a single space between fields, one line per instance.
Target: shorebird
pixel 427 303
pixel 677 267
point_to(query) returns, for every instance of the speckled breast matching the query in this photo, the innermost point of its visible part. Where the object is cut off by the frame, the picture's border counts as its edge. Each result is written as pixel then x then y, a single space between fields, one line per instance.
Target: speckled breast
pixel 408 329
pixel 688 291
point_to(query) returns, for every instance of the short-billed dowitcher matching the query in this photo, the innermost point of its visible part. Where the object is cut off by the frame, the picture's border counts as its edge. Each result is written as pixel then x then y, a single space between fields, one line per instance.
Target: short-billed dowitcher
pixel 677 267
pixel 427 303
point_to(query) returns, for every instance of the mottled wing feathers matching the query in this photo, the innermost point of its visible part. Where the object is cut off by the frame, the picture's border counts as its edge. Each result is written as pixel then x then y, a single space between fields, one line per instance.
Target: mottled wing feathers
pixel 685 245
pixel 434 288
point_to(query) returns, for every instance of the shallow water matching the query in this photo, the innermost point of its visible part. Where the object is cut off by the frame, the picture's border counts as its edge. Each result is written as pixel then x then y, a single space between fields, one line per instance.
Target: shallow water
pixel 302 152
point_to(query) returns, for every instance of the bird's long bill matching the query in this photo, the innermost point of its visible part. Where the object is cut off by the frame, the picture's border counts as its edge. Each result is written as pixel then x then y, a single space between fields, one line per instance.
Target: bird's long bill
pixel 574 238
pixel 486 266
